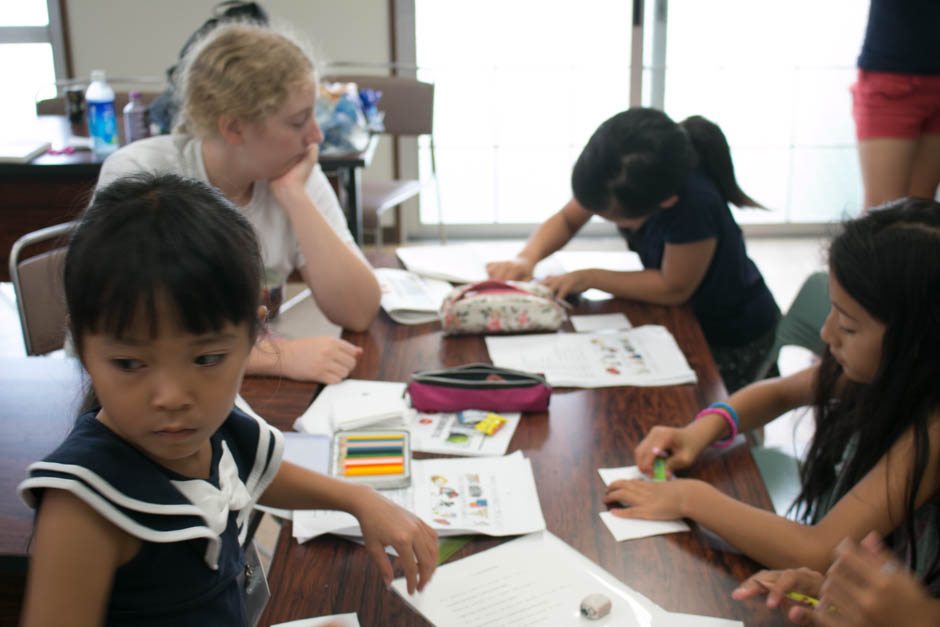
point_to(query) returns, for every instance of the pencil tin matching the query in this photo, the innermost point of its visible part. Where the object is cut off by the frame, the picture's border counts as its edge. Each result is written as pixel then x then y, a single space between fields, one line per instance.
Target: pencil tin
pixel 380 458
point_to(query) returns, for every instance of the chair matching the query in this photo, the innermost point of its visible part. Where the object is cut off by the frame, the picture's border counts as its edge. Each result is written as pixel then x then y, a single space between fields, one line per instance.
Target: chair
pixel 801 325
pixel 408 105
pixel 37 283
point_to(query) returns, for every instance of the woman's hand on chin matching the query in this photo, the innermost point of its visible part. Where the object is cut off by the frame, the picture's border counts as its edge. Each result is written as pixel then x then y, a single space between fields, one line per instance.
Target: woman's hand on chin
pixel 296 177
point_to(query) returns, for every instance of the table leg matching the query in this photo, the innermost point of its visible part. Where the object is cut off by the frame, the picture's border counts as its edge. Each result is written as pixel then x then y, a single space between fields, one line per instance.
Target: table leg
pixel 353 183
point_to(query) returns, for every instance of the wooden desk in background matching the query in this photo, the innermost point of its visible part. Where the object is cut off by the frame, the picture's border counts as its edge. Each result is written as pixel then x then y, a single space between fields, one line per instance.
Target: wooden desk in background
pixel 582 431
pixel 55 188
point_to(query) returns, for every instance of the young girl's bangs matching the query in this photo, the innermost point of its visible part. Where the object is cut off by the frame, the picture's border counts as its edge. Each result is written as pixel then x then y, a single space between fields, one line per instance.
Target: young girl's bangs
pixel 161 240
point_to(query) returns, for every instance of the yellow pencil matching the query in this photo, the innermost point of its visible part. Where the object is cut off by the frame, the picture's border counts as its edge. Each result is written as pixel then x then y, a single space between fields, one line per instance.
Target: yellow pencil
pixel 385 469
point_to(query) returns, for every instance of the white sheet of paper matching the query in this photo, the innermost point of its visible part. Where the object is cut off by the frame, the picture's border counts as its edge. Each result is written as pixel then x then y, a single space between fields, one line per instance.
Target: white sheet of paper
pixel 642 356
pixel 312 451
pixel 616 260
pixel 377 404
pixel 534 580
pixel 336 620
pixel 466 263
pixel 677 619
pixel 442 433
pixel 317 417
pixel 632 528
pixel 488 495
pixel 600 322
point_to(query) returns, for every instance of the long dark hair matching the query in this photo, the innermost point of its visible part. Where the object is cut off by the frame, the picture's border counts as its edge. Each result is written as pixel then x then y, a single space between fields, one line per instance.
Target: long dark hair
pixel 146 235
pixel 888 262
pixel 640 157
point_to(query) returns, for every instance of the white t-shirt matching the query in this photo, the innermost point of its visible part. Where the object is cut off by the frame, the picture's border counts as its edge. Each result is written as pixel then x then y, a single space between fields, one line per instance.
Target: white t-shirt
pixel 182 155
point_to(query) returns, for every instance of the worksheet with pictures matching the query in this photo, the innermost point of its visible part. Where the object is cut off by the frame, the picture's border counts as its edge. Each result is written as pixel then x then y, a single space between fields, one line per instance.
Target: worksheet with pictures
pixel 642 356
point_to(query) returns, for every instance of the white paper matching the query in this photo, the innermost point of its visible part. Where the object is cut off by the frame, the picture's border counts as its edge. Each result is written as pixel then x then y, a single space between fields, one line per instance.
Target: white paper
pixel 336 620
pixel 409 298
pixel 616 260
pixel 442 433
pixel 317 417
pixel 632 528
pixel 643 356
pixel 466 263
pixel 677 619
pixel 312 451
pixel 493 496
pixel 375 404
pixel 600 322
pixel 533 580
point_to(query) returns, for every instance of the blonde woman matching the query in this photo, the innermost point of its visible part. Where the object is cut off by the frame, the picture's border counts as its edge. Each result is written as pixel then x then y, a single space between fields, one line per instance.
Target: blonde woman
pixel 247 98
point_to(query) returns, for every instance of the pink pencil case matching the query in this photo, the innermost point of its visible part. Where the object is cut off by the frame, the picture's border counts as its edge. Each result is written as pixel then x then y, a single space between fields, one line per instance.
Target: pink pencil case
pixel 478 386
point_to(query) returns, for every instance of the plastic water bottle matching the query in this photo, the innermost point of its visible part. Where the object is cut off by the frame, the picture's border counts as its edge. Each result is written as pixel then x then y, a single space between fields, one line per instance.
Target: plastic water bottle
pixel 136 119
pixel 102 122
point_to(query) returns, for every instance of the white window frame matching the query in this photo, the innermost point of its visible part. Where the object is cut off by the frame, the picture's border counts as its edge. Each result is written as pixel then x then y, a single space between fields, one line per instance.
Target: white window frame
pixel 404 34
pixel 53 33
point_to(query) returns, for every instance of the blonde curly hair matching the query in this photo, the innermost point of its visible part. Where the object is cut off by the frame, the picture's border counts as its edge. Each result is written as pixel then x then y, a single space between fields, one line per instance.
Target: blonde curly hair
pixel 242 69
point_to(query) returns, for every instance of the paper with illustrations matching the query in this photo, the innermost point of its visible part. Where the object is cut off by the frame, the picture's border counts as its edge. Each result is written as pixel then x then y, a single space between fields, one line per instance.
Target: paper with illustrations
pixel 493 496
pixel 643 356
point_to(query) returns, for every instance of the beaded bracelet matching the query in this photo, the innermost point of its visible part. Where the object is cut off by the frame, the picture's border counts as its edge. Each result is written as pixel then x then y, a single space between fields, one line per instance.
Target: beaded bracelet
pixel 727 416
pixel 730 410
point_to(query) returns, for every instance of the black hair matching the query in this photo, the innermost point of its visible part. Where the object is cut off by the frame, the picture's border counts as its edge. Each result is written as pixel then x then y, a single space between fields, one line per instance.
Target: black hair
pixel 148 235
pixel 886 261
pixel 640 157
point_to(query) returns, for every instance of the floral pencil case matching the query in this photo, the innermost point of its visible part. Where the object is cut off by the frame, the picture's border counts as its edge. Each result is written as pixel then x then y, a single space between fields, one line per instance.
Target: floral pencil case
pixel 500 307
pixel 478 386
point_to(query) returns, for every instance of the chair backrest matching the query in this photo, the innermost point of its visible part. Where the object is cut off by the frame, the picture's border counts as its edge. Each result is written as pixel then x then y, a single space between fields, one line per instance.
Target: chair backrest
pixel 40 299
pixel 407 102
pixel 803 321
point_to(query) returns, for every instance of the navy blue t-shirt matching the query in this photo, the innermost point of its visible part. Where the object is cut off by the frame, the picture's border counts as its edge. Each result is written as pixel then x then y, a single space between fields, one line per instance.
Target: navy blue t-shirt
pixel 732 303
pixel 901 36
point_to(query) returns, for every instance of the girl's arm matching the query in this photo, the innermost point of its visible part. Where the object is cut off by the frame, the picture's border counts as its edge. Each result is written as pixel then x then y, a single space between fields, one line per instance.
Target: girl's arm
pixel 341 281
pixel 549 237
pixel 875 503
pixel 383 523
pixel 683 268
pixel 323 359
pixel 75 553
pixel 755 404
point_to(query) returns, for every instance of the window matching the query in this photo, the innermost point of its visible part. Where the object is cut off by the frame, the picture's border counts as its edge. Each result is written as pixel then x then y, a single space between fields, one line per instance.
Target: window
pixel 521 85
pixel 32 56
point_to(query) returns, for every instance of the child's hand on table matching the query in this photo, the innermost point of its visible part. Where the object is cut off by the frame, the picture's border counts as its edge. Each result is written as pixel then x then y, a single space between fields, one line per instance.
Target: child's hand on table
pixel 776 584
pixel 384 524
pixel 324 359
pixel 650 500
pixel 679 447
pixel 568 283
pixel 517 269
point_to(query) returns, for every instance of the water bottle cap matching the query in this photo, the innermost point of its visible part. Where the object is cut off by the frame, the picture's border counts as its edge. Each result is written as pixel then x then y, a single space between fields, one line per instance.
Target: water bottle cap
pixel 97 75
pixel 134 95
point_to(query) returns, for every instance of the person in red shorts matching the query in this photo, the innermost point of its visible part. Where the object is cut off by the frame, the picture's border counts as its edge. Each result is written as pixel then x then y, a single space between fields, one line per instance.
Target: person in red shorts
pixel 896 101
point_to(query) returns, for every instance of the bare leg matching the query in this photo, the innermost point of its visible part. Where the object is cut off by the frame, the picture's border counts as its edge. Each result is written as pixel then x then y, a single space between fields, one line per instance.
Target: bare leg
pixel 886 168
pixel 925 175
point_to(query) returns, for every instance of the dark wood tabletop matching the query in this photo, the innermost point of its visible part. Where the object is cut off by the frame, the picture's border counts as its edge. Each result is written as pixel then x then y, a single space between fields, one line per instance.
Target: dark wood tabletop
pixel 582 431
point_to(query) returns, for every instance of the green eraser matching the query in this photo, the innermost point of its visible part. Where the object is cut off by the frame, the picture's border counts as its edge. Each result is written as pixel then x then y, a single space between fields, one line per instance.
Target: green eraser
pixel 659 469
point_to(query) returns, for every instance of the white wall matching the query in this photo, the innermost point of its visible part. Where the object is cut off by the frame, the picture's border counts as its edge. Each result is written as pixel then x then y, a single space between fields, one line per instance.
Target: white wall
pixel 143 37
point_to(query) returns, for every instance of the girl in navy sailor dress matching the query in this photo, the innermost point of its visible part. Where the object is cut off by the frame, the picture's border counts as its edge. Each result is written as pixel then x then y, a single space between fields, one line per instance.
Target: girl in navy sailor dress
pixel 142 511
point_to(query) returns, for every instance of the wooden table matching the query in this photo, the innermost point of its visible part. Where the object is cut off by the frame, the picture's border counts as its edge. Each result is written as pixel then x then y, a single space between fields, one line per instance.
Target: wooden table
pixel 582 431
pixel 55 188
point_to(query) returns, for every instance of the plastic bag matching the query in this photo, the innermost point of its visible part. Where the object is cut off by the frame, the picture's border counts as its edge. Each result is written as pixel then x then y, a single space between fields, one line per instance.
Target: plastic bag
pixel 347 116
